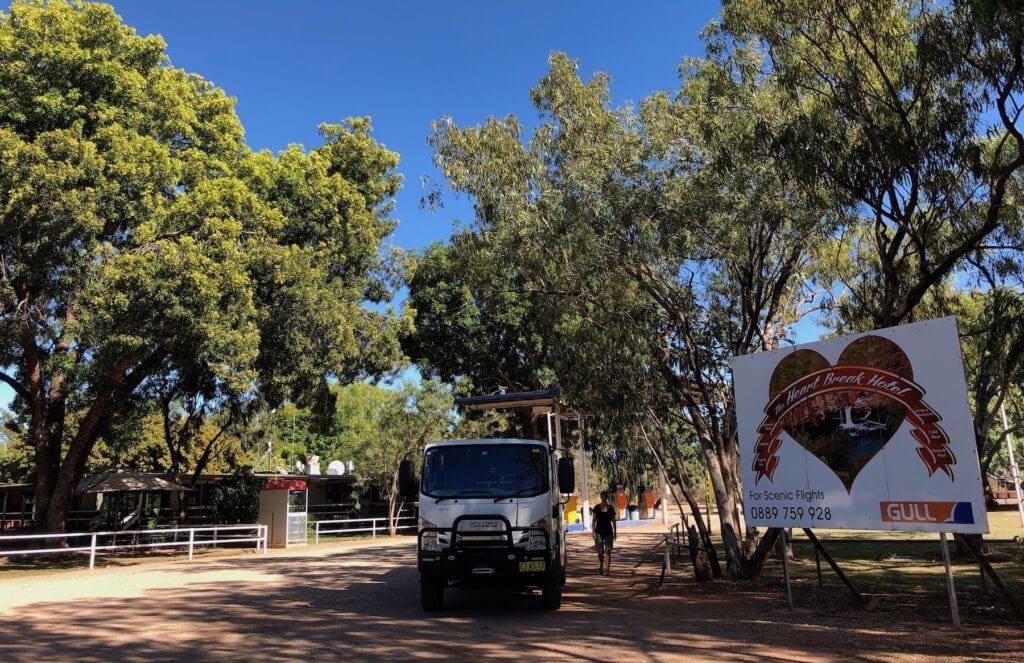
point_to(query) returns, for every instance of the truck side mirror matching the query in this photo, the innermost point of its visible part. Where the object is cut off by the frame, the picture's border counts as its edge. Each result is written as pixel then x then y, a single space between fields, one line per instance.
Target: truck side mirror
pixel 566 476
pixel 407 480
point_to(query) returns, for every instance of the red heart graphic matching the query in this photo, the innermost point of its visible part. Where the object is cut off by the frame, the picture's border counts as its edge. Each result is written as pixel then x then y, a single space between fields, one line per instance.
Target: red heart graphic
pixel 844 426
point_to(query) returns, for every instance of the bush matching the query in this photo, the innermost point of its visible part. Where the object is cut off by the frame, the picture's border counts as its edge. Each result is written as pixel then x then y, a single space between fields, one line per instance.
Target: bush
pixel 237 500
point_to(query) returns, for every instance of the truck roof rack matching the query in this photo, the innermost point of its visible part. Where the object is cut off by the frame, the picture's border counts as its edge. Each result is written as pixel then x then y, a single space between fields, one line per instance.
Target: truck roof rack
pixel 545 402
pixel 541 401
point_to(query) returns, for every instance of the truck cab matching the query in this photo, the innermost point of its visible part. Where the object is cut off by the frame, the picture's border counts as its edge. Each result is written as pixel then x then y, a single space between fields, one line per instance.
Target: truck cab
pixel 490 512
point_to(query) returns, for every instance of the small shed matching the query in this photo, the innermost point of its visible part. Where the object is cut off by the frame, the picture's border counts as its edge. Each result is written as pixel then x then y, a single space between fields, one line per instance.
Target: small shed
pixel 284 505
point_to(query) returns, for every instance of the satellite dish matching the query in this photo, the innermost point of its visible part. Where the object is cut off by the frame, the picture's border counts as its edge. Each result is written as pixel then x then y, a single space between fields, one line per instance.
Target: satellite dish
pixel 335 468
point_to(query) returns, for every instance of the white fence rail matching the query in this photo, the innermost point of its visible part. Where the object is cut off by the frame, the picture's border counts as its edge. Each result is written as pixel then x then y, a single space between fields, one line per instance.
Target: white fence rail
pixel 197 536
pixel 354 530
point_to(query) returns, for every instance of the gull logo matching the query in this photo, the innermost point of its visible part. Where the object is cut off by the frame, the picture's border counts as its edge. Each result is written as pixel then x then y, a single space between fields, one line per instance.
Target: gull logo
pixel 960 513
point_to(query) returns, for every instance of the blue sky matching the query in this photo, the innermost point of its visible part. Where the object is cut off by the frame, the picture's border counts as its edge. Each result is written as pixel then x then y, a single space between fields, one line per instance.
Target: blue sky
pixel 292 65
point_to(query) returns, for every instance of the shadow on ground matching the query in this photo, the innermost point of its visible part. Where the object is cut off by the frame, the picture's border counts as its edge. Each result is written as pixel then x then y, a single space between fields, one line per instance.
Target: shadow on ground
pixel 363 603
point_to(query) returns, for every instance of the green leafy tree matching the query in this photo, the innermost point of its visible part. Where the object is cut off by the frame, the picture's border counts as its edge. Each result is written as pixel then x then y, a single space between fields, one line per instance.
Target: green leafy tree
pixel 237 500
pixel 380 427
pixel 141 239
pixel 15 454
pixel 483 332
pixel 412 417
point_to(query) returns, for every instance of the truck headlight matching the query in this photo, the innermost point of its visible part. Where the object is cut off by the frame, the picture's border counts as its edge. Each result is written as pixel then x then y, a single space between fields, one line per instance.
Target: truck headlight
pixel 428 542
pixel 538 538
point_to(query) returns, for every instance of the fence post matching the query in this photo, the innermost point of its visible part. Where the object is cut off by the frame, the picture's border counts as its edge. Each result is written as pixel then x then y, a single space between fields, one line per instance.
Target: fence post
pixel 214 536
pixel 92 552
pixel 373 526
pixel 191 541
pixel 317 540
pixel 265 536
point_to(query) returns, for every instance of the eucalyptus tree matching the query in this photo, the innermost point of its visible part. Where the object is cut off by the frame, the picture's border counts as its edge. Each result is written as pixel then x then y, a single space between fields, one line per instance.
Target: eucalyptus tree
pixel 655 245
pixel 139 237
pixel 991 325
pixel 992 329
pixel 911 110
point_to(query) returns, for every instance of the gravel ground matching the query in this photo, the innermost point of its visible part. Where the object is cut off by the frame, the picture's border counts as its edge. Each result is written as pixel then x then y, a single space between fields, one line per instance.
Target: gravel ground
pixel 360 600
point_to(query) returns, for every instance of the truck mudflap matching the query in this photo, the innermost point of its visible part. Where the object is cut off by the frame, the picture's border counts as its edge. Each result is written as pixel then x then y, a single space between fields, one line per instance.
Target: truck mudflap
pixel 481 549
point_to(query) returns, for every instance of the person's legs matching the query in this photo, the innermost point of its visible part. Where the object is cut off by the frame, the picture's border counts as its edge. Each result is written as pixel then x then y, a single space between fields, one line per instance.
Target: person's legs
pixel 603 542
pixel 603 555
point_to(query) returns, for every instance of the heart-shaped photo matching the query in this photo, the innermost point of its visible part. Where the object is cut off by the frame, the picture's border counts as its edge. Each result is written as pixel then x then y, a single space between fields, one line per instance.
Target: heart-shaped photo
pixel 843 424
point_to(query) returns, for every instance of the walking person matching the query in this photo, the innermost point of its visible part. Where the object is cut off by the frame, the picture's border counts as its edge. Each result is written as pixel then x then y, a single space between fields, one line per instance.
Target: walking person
pixel 604 532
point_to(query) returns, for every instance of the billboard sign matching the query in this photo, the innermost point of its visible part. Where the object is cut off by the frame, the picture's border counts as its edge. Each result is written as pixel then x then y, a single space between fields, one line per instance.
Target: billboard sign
pixel 870 431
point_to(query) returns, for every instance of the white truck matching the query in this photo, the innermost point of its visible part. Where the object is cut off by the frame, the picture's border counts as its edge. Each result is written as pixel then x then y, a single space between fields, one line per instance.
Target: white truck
pixel 490 512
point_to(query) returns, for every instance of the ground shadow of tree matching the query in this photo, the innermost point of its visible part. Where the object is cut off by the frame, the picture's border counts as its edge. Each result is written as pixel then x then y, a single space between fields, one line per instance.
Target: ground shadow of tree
pixel 363 604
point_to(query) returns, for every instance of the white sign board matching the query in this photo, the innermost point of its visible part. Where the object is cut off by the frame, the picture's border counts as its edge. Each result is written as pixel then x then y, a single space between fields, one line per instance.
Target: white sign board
pixel 870 431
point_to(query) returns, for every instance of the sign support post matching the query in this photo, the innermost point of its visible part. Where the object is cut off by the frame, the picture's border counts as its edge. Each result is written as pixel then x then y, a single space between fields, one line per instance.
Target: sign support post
pixel 782 546
pixel 817 565
pixel 832 563
pixel 954 609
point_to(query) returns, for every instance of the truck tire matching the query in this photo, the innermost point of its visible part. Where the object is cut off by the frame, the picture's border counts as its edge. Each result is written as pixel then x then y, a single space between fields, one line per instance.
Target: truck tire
pixel 431 595
pixel 551 591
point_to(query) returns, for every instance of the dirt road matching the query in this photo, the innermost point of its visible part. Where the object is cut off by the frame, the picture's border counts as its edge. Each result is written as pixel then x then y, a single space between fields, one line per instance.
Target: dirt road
pixel 360 601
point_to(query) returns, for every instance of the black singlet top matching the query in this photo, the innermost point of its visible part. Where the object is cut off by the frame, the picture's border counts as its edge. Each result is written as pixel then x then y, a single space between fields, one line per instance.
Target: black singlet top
pixel 604 516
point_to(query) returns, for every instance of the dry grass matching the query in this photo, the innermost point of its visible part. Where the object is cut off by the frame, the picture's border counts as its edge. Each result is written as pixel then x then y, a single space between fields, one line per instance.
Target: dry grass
pixel 904 572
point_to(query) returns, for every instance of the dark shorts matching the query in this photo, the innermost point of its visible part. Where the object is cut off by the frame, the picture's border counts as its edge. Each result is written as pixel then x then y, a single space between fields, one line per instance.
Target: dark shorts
pixel 605 542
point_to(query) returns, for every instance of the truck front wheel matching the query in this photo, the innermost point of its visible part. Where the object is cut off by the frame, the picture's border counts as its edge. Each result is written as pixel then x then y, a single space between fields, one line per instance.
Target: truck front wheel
pixel 551 591
pixel 431 595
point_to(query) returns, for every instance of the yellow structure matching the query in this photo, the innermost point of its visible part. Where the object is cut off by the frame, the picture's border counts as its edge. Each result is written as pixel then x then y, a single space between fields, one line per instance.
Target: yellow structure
pixel 572 510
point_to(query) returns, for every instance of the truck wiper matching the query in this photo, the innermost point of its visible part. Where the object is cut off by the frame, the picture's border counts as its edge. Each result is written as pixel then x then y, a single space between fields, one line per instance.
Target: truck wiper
pixel 518 493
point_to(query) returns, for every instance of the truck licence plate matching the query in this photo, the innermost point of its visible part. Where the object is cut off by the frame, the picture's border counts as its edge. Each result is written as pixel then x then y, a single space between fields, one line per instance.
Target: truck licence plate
pixel 528 567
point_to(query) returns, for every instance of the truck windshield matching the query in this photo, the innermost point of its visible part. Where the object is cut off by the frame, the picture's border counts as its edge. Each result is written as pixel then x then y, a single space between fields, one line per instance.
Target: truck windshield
pixel 485 470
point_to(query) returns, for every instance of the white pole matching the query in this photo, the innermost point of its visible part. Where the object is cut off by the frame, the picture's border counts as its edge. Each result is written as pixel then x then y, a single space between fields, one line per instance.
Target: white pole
pixel 954 609
pixel 317 531
pixel 191 541
pixel 1014 470
pixel 558 427
pixel 92 552
pixel 666 496
pixel 585 493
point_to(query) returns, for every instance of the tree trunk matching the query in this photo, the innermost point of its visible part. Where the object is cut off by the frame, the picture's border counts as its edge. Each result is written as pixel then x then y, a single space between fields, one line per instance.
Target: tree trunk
pixel 723 470
pixel 702 526
pixel 394 505
pixel 753 565
pixel 57 477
